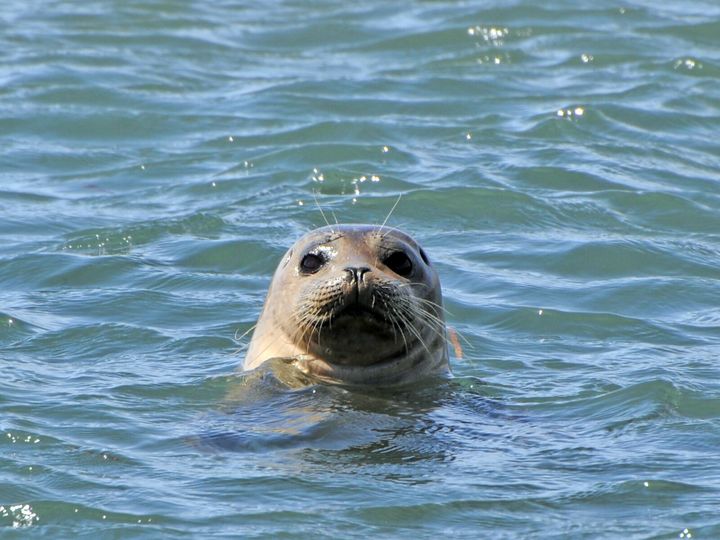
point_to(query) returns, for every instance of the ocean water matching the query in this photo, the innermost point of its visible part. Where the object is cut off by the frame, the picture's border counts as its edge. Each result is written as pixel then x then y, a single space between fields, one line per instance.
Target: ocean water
pixel 560 163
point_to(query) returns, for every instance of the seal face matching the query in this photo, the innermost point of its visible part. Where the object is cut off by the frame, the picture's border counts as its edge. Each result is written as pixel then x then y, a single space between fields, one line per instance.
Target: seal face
pixel 356 305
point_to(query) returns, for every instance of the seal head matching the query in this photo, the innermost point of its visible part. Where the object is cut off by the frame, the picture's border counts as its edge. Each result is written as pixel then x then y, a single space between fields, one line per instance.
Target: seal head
pixel 355 305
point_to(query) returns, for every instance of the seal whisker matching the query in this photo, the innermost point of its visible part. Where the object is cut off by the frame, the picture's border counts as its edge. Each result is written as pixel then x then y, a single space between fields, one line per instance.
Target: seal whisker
pixel 312 320
pixel 316 329
pixel 396 323
pixel 436 309
pixel 389 214
pixel 439 322
pixel 434 323
pixel 391 313
pixel 430 316
pixel 406 318
pixel 303 327
pixel 242 346
pixel 410 326
pixel 319 328
pixel 425 300
pixel 265 349
pixel 322 213
pixel 406 314
pixel 437 328
pixel 245 333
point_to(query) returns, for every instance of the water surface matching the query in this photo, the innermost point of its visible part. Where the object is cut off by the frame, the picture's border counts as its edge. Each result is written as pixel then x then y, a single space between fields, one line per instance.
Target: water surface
pixel 560 164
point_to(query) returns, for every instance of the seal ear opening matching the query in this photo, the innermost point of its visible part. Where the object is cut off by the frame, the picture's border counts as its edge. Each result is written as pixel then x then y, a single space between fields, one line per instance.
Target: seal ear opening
pixel 424 256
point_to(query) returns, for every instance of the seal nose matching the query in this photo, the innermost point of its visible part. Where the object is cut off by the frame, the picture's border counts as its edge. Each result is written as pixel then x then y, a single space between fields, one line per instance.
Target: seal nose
pixel 356 273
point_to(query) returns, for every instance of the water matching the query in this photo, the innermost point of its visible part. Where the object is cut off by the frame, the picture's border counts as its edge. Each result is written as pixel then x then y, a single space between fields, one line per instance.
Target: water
pixel 561 166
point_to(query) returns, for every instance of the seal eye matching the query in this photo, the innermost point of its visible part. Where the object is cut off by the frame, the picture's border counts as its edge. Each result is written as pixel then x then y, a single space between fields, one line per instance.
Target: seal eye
pixel 311 263
pixel 399 263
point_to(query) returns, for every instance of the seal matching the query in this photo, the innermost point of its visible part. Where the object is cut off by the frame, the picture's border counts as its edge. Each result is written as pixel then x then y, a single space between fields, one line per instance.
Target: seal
pixel 357 305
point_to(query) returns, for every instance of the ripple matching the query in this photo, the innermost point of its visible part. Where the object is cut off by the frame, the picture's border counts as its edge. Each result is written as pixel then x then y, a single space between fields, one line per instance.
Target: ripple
pixel 89 341
pixel 159 159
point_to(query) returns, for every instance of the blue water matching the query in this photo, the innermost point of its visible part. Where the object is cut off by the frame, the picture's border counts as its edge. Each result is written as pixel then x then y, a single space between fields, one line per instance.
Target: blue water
pixel 560 163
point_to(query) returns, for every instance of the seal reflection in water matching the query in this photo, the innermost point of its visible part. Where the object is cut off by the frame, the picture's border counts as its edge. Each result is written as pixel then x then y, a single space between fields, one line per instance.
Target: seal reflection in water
pixel 354 305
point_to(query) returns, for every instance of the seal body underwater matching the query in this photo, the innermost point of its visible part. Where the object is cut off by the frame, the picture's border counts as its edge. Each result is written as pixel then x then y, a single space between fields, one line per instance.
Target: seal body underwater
pixel 357 305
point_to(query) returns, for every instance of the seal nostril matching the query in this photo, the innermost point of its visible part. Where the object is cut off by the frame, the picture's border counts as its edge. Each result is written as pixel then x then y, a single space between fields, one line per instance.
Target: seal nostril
pixel 356 273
